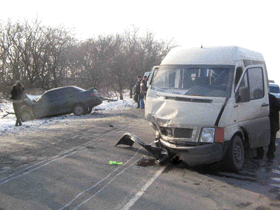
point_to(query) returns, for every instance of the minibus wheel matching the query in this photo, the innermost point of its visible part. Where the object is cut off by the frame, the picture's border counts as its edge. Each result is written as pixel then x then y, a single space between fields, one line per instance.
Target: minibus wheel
pixel 234 158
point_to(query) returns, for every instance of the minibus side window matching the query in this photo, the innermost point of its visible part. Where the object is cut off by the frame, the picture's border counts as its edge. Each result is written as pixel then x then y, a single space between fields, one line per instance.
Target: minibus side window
pixel 255 76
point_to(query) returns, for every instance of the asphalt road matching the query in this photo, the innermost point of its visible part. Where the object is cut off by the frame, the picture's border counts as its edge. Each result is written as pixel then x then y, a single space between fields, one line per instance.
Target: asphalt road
pixel 66 166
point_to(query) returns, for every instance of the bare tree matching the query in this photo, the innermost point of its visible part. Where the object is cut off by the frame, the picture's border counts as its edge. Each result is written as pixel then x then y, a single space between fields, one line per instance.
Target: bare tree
pixel 10 44
pixel 117 66
pixel 49 57
pixel 133 56
pixel 95 60
pixel 58 41
pixel 144 53
pixel 32 52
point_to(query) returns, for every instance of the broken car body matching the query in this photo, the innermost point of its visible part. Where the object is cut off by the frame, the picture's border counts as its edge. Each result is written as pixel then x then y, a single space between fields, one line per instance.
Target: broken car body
pixel 59 101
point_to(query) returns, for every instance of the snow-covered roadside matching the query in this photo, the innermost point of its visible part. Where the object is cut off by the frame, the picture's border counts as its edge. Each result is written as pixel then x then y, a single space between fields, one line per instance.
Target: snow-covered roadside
pixel 7 124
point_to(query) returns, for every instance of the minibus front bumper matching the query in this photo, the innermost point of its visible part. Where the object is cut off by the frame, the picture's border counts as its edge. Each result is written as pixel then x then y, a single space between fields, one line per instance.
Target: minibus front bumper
pixel 196 155
pixel 192 155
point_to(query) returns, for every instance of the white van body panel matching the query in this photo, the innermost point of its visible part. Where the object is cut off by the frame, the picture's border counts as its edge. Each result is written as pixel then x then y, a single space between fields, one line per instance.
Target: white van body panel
pixel 253 115
pixel 213 55
pixel 171 110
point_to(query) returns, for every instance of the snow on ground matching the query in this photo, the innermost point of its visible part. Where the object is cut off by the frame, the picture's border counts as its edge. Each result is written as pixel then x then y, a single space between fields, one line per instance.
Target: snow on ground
pixel 7 124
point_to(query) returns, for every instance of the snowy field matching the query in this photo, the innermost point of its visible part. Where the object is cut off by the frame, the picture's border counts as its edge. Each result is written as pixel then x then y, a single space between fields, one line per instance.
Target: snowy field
pixel 7 124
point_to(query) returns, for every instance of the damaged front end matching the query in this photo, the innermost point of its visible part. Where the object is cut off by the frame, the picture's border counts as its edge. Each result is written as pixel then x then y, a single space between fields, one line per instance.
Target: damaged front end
pixel 185 105
pixel 182 134
pixel 187 126
pixel 159 153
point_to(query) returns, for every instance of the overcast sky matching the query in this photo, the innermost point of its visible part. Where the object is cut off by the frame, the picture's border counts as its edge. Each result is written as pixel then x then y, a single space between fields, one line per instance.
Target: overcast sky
pixel 250 24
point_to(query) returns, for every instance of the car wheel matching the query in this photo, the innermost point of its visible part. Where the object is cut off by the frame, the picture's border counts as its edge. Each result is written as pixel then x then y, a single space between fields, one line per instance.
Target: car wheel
pixel 26 116
pixel 79 109
pixel 234 158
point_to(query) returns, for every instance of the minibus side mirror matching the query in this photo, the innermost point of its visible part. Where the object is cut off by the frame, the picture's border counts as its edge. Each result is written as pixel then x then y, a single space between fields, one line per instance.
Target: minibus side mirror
pixel 243 95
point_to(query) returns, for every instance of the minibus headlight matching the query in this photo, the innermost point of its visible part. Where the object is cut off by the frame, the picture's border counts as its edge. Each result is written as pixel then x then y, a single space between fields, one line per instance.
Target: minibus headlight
pixel 207 135
pixel 166 131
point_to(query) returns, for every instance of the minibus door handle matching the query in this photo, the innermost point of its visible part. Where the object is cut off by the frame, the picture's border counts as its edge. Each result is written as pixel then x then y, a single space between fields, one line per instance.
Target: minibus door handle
pixel 264 105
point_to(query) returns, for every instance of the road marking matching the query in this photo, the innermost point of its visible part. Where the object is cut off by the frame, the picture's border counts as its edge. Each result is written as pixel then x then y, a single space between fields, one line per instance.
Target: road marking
pixel 57 157
pixel 143 189
pixel 76 149
pixel 81 193
pixel 36 168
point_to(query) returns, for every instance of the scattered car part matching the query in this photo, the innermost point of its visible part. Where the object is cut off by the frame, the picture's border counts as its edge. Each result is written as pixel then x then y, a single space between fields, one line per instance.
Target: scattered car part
pixel 111 162
pixel 159 153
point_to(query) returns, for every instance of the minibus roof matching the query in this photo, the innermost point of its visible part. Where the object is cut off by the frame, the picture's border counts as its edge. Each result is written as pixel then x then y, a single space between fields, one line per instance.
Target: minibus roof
pixel 210 55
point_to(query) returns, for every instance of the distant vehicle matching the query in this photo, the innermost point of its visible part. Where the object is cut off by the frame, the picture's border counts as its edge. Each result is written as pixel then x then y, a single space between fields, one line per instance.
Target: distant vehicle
pixel 274 90
pixel 59 101
pixel 147 73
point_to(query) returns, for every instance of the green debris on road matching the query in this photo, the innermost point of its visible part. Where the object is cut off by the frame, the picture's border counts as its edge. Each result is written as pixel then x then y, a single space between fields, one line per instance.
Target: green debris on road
pixel 115 163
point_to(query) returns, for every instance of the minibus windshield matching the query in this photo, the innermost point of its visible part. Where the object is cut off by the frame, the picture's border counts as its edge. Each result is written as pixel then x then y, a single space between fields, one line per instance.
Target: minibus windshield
pixel 198 80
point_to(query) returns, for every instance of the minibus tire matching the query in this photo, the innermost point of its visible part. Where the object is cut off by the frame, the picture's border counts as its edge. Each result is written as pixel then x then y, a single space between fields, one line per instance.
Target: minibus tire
pixel 234 158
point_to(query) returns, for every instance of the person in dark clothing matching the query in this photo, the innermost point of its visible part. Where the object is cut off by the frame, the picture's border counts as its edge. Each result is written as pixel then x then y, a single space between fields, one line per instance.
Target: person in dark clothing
pixel 274 108
pixel 143 91
pixel 137 91
pixel 17 96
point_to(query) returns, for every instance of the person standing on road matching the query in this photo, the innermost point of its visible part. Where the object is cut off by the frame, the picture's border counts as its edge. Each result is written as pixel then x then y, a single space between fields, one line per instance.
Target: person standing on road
pixel 143 92
pixel 17 96
pixel 137 91
pixel 274 108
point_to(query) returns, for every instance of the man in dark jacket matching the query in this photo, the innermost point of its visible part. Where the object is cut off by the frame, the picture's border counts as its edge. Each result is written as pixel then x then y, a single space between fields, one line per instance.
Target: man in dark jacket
pixel 137 91
pixel 274 108
pixel 17 96
pixel 143 91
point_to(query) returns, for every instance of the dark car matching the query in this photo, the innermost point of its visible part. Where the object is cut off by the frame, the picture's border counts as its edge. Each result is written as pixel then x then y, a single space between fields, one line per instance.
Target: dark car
pixel 274 90
pixel 59 101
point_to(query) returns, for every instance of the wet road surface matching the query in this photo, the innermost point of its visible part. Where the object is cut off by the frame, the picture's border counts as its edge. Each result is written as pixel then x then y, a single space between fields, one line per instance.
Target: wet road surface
pixel 74 173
